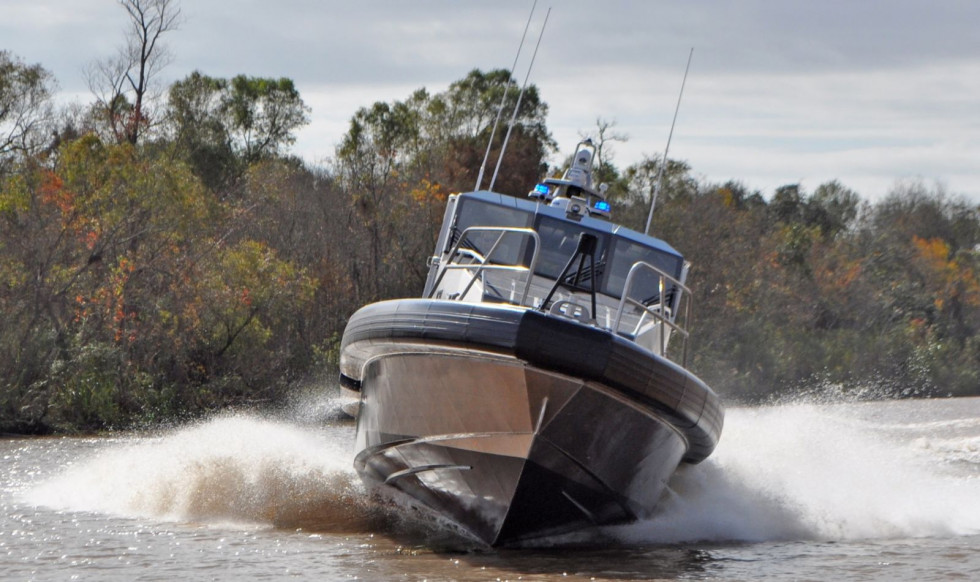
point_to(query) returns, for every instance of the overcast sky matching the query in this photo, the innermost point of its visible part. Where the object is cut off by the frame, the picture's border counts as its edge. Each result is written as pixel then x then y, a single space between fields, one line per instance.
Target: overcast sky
pixel 780 91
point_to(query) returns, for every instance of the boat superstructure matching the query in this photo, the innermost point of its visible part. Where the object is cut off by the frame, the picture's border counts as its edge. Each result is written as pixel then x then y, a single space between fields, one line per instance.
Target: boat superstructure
pixel 539 384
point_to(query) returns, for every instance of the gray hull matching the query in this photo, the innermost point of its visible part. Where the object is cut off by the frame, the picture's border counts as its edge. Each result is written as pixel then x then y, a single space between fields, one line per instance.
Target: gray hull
pixel 466 411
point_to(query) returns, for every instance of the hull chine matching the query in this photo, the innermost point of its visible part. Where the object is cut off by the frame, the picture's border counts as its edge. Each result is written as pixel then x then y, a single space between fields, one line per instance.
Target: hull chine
pixel 516 457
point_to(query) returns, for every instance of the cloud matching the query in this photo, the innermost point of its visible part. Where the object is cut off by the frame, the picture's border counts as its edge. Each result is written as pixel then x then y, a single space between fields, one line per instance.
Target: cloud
pixel 780 90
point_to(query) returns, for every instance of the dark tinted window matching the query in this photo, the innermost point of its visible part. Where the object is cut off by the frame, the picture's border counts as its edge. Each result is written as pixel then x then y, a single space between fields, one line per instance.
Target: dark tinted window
pixel 625 254
pixel 475 213
pixel 559 239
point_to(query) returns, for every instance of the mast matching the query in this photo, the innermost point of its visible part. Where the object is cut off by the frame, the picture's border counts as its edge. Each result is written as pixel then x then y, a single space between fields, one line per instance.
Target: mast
pixel 503 98
pixel 663 162
pixel 517 107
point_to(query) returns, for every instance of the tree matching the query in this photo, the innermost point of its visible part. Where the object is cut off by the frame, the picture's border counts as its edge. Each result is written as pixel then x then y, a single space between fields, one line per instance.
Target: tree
pixel 913 209
pixel 642 182
pixel 787 205
pixel 25 109
pixel 737 195
pixel 128 290
pixel 399 160
pixel 99 231
pixel 122 83
pixel 833 208
pixel 370 158
pixel 457 125
pixel 469 107
pixel 199 130
pixel 263 114
pixel 222 127
pixel 603 139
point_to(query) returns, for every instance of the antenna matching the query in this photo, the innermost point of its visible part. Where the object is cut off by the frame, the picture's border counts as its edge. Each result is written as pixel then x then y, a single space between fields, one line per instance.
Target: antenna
pixel 503 98
pixel 663 162
pixel 517 107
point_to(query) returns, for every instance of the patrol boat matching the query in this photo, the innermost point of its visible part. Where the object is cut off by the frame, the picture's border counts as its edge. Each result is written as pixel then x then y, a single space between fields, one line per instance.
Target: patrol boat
pixel 539 384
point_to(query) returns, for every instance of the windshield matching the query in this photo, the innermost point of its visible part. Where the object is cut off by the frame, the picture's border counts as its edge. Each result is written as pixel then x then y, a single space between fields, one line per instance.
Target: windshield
pixel 614 256
pixel 559 239
pixel 646 285
pixel 511 249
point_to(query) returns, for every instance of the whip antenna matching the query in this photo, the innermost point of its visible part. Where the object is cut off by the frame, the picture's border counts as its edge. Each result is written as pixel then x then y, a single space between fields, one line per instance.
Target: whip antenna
pixel 503 98
pixel 663 162
pixel 513 117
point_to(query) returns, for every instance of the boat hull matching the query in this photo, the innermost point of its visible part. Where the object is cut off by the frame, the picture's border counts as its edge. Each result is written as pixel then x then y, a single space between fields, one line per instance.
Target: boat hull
pixel 471 425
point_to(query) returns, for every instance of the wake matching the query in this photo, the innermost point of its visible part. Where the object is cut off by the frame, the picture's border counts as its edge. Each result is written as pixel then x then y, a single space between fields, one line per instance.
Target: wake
pixel 824 472
pixel 787 472
pixel 236 469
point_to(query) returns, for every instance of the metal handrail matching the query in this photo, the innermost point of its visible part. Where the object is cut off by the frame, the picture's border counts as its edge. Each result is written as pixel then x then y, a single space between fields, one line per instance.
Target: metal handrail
pixel 659 313
pixel 484 260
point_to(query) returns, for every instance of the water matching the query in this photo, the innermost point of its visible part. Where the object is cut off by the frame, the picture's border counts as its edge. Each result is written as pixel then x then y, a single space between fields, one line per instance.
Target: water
pixel 870 491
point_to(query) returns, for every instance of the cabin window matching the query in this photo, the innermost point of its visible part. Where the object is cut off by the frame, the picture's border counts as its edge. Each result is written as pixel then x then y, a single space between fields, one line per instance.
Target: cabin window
pixel 559 239
pixel 625 254
pixel 615 255
pixel 476 213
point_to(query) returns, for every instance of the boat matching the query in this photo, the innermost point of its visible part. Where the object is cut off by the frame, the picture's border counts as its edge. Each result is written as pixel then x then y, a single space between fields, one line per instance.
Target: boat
pixel 533 389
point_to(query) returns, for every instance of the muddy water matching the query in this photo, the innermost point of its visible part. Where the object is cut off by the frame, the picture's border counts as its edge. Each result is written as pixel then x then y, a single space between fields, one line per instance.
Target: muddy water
pixel 872 491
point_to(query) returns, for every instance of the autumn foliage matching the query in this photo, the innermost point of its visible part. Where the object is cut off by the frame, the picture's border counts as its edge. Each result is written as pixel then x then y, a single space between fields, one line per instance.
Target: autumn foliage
pixel 203 267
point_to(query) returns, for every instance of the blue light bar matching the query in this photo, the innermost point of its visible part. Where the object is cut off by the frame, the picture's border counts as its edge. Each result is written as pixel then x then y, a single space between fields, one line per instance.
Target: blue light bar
pixel 542 189
pixel 602 206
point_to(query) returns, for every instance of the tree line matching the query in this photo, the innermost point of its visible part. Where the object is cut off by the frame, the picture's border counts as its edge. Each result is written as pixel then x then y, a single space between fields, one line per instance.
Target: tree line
pixel 164 258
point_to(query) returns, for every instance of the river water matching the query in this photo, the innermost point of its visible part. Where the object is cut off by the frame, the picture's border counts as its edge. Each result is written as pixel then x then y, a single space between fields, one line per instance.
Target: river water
pixel 859 491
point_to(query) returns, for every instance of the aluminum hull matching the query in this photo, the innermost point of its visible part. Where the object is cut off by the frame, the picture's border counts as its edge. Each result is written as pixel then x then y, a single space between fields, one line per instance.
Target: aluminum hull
pixel 470 411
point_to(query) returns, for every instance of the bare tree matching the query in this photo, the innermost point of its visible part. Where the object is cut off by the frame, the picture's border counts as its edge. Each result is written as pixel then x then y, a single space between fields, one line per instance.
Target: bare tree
pixel 122 83
pixel 603 137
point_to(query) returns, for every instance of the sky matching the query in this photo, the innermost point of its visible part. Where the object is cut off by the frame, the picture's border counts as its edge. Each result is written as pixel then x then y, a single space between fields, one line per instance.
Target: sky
pixel 872 93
